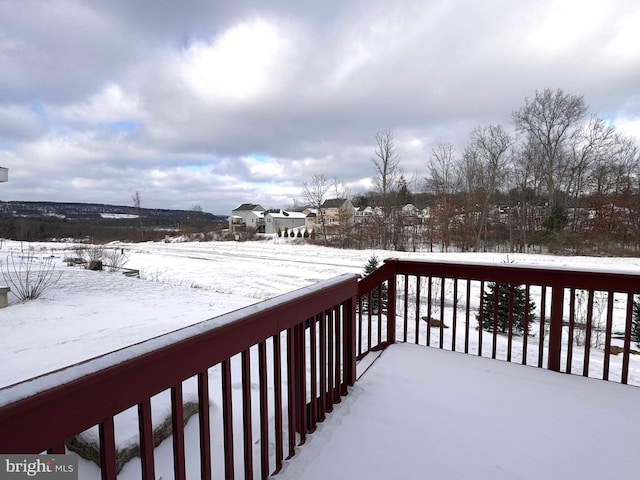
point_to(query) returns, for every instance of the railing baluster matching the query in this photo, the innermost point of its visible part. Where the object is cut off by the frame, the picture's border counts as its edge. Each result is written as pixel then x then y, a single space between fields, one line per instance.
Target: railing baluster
pixel 360 327
pixel 369 321
pixel 338 354
pixel 107 449
pixel 204 425
pixel 541 335
pixel 607 341
pixel 572 323
pixel 330 368
pixel 277 400
pixel 379 312
pixel 323 366
pixel 481 318
pixel 417 334
pixel 442 293
pixel 247 433
pixel 467 310
pixel 391 310
pixel 454 320
pixel 587 335
pixel 405 321
pixel 227 420
pixel 510 332
pixel 628 325
pixel 177 426
pixel 555 329
pixel 525 333
pixel 349 361
pixel 496 299
pixel 429 299
pixel 264 410
pixel 313 383
pixel 145 427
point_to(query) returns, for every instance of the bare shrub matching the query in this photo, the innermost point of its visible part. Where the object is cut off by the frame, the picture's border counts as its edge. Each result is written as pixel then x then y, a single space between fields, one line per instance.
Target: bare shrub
pixel 115 258
pixel 28 276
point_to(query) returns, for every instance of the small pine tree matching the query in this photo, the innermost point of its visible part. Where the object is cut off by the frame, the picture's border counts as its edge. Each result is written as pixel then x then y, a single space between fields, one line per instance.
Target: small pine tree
pixel 519 308
pixel 279 232
pixel 635 325
pixel 370 267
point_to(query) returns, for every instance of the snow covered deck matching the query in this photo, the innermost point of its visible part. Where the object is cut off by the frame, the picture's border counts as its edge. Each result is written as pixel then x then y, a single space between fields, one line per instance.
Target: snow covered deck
pixel 421 412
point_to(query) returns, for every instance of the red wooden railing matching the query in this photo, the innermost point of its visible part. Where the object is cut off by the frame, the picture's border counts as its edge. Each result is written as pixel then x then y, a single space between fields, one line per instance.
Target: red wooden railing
pixel 582 320
pixel 301 346
pixel 276 368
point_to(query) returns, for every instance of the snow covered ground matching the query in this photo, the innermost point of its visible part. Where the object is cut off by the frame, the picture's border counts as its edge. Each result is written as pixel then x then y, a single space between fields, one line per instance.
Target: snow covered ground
pixel 426 413
pixel 91 313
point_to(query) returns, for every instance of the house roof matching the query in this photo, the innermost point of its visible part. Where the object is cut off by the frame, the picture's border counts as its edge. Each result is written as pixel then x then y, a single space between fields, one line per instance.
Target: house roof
pixel 333 203
pixel 248 207
pixel 283 214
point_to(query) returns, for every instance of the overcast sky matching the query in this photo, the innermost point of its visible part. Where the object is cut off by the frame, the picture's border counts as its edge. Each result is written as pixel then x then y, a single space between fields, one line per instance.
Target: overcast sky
pixel 215 103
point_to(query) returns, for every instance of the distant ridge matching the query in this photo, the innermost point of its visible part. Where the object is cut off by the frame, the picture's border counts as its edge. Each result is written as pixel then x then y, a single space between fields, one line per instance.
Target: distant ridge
pixel 94 210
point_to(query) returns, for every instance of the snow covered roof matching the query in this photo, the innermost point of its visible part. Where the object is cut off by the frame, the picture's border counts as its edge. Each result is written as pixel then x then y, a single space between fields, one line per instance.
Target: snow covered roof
pixel 284 214
pixel 248 207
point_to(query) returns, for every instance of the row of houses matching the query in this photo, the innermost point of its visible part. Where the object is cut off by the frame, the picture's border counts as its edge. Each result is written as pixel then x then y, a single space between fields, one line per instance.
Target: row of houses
pixel 249 216
pixel 333 212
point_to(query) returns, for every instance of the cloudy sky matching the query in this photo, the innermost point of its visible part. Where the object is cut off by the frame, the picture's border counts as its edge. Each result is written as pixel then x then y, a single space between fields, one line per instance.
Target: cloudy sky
pixel 215 103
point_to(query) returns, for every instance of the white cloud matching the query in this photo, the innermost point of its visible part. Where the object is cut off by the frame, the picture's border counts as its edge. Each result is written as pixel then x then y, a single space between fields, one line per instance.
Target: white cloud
pixel 239 65
pixel 111 104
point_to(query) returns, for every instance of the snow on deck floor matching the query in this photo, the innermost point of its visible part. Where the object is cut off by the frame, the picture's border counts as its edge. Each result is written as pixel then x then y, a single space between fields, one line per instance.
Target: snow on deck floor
pixel 421 413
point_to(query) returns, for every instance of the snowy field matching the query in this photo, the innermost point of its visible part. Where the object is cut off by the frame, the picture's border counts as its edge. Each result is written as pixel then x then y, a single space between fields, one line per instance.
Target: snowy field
pixel 91 313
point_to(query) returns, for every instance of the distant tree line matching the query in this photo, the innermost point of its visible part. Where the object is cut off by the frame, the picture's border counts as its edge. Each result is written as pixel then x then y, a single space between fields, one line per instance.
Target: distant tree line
pixel 102 230
pixel 565 180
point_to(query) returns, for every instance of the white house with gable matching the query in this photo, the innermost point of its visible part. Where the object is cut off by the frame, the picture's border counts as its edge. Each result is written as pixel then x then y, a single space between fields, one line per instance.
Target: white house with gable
pixel 275 220
pixel 247 216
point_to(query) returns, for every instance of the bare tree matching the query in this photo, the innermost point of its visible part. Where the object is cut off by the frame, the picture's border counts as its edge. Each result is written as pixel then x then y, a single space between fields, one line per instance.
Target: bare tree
pixel 443 183
pixel 486 162
pixel 386 162
pixel 553 120
pixel 314 194
pixel 137 200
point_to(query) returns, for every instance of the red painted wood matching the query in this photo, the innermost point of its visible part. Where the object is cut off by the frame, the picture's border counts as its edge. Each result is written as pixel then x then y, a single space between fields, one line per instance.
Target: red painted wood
pixel 107 449
pixel 627 339
pixel 227 420
pixel 555 329
pixel 145 427
pixel 277 401
pixel 247 436
pixel 204 425
pixel 177 433
pixel 264 410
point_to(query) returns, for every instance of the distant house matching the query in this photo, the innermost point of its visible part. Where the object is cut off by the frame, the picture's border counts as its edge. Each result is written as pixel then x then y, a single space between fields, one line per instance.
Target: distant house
pixel 275 220
pixel 247 216
pixel 337 210
pixel 333 212
pixel 362 213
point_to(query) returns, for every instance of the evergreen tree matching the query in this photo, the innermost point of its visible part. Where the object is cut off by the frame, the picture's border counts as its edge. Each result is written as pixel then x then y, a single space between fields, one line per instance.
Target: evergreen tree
pixel 371 266
pixel 519 308
pixel 635 325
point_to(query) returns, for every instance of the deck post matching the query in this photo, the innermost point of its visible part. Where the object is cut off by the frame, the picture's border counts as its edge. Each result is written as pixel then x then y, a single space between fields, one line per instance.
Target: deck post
pixel 349 339
pixel 391 301
pixel 555 328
